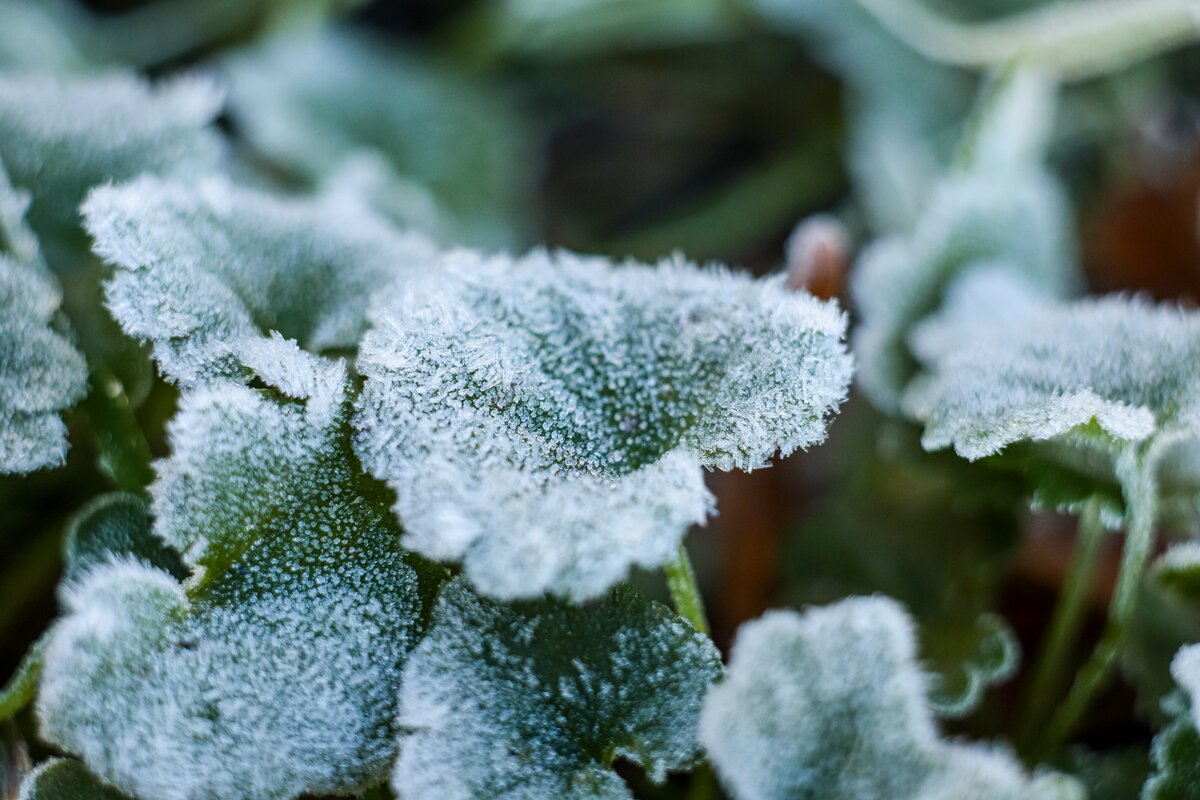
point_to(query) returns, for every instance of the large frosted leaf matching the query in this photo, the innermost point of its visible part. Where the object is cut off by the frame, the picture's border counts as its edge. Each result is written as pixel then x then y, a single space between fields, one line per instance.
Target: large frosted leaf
pixel 1081 379
pixel 65 779
pixel 274 670
pixel 1017 219
pixel 312 102
pixel 1176 751
pixel 60 136
pixel 538 699
pixel 41 373
pixel 831 704
pixel 209 269
pixel 545 420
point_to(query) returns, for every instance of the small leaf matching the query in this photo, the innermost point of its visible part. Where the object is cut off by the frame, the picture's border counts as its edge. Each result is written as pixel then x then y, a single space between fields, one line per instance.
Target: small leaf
pixel 964 659
pixel 41 373
pixel 538 699
pixel 831 704
pixel 22 686
pixel 315 102
pixel 1178 570
pixel 1015 217
pixel 60 136
pixel 116 525
pixel 545 420
pixel 65 779
pixel 1176 759
pixel 274 671
pixel 208 268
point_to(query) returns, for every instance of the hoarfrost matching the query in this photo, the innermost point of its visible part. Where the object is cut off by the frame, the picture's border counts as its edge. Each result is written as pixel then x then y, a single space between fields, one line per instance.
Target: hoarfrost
pixel 545 420
pixel 537 699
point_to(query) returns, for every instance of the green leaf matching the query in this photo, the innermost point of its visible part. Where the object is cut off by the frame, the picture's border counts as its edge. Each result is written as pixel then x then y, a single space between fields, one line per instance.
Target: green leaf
pixel 539 698
pixel 115 526
pixel 545 420
pixel 318 103
pixel 1178 570
pixel 208 269
pixel 1176 758
pixel 60 136
pixel 831 704
pixel 274 670
pixel 964 659
pixel 22 686
pixel 65 779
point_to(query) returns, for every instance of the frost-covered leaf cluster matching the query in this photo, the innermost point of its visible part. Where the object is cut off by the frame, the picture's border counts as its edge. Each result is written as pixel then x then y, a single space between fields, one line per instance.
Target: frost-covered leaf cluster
pixel 538 699
pixel 274 670
pixel 831 703
pixel 208 269
pixel 545 420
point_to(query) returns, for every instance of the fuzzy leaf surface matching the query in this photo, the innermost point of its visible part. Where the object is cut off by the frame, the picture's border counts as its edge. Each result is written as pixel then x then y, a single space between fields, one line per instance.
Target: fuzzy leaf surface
pixel 209 269
pixel 831 704
pixel 274 671
pixel 538 698
pixel 65 779
pixel 545 420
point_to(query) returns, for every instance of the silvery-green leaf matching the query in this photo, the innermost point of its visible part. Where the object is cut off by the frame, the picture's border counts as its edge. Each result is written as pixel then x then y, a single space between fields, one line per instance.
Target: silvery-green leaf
pixel 831 704
pixel 208 269
pixel 545 420
pixel 1178 570
pixel 310 102
pixel 964 659
pixel 274 671
pixel 116 525
pixel 1079 379
pixel 537 699
pixel 1176 758
pixel 65 779
pixel 1014 217
pixel 41 373
pixel 59 136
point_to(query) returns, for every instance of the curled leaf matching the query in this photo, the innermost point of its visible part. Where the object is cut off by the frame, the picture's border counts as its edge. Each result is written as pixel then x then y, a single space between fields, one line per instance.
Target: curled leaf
pixel 832 704
pixel 538 699
pixel 208 269
pixel 964 659
pixel 274 671
pixel 65 779
pixel 545 420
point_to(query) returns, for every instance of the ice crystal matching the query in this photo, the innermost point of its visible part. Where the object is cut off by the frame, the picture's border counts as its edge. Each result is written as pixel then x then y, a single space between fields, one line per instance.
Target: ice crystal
pixel 208 269
pixel 538 698
pixel 65 779
pixel 59 136
pixel 831 704
pixel 545 420
pixel 312 102
pixel 274 670
pixel 1015 218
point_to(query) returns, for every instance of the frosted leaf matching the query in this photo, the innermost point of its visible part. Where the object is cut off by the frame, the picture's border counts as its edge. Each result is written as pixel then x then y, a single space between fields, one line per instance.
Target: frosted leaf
pixel 538 699
pixel 65 779
pixel 1016 217
pixel 41 373
pixel 545 420
pixel 311 102
pixel 116 524
pixel 274 670
pixel 1178 569
pixel 964 659
pixel 1089 375
pixel 207 269
pixel 60 136
pixel 831 704
pixel 1176 758
pixel 16 239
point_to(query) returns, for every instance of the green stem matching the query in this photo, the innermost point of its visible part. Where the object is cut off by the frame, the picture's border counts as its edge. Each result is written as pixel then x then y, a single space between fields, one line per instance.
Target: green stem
pixel 685 593
pixel 1064 628
pixel 1141 503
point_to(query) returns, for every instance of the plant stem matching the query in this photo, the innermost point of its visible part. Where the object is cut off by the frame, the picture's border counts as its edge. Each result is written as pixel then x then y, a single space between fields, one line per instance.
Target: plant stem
pixel 1063 633
pixel 1141 503
pixel 685 594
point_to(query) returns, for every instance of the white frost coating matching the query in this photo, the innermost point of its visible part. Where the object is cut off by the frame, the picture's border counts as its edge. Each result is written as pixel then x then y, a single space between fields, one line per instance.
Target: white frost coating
pixel 1015 217
pixel 208 268
pixel 274 671
pixel 545 420
pixel 831 704
pixel 536 700
pixel 1185 668
pixel 1048 370
pixel 60 136
pixel 41 373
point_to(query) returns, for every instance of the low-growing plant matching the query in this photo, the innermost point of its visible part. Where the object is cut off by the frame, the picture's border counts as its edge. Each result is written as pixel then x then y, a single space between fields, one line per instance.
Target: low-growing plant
pixel 372 506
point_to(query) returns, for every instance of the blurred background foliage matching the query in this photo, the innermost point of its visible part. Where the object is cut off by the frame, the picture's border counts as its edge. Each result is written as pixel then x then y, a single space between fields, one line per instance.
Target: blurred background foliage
pixel 637 128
